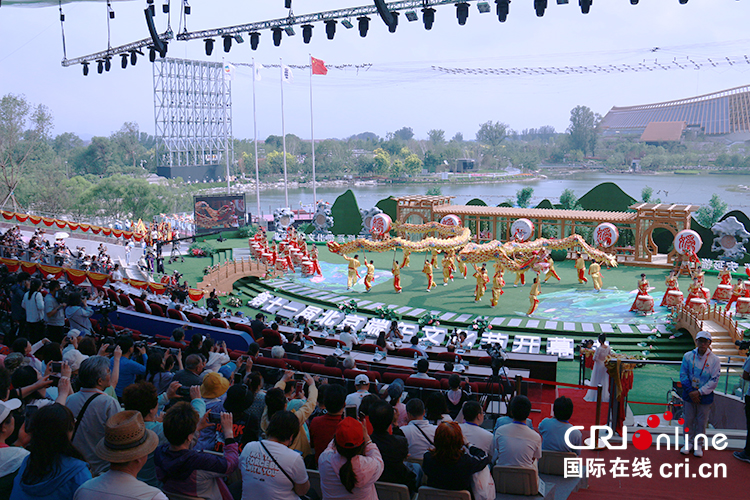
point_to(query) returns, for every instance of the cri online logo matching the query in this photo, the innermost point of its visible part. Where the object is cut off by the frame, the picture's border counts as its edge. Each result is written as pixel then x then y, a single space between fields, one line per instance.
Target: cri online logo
pixel 642 438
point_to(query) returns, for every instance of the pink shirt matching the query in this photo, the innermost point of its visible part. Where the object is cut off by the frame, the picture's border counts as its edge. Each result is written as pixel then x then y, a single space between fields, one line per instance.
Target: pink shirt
pixel 367 469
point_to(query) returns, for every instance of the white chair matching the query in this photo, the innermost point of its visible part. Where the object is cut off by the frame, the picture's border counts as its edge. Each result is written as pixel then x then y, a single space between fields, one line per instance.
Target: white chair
pixel 427 493
pixel 314 478
pixel 516 480
pixel 392 491
pixel 553 462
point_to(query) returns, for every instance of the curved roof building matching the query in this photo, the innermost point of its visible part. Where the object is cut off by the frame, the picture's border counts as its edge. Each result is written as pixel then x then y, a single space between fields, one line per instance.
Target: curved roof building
pixel 721 113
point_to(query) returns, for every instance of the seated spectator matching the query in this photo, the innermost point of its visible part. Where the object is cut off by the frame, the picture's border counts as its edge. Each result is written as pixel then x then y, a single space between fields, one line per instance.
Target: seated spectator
pixel 348 338
pixel 323 427
pixel 254 382
pixel 178 308
pixel 395 397
pixel 472 428
pixel 252 350
pixel 517 445
pixel 415 345
pixel 238 399
pixel 436 409
pixel 190 472
pixel 422 366
pixel 126 445
pixel 350 364
pixel 455 396
pixel 212 390
pixel 191 374
pixel 212 302
pixel 295 342
pixel 277 352
pixel 394 333
pixel 362 383
pixel 216 355
pixel 331 361
pixel 450 465
pixel 11 457
pixel 129 369
pixel 54 468
pixel 351 464
pixel 419 432
pixel 505 420
pixel 159 370
pixel 276 401
pixel 178 335
pixel 94 377
pixel 553 429
pixel 258 325
pixel 381 342
pixel 195 345
pixel 270 469
pixel 72 349
pixel 393 448
pixel 271 336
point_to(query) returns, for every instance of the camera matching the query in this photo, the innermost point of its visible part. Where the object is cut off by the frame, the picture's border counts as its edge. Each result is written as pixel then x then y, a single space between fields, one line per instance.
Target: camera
pixel 497 354
pixel 183 392
pixel 742 345
pixel 298 376
pixel 174 351
pixel 214 418
pixel 56 366
pixel 350 411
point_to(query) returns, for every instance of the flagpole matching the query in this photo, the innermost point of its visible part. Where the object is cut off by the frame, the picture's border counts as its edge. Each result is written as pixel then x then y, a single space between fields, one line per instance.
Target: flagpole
pixel 283 134
pixel 255 140
pixel 312 137
pixel 226 125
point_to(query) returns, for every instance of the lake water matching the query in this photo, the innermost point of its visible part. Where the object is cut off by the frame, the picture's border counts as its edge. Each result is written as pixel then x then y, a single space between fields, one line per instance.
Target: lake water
pixel 670 188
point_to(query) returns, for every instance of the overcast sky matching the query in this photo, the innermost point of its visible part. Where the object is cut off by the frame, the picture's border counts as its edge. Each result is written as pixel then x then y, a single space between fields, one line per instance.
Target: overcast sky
pixel 400 89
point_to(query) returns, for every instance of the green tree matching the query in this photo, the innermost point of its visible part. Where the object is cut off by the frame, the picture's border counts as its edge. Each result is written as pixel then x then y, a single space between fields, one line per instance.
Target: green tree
pixel 127 144
pixel 412 165
pixel 582 129
pixel 523 197
pixel 492 134
pixel 458 137
pixel 275 162
pixel 404 133
pixel 98 158
pixel 435 191
pixel 709 215
pixel 646 195
pixel 381 164
pixel 437 137
pixel 569 201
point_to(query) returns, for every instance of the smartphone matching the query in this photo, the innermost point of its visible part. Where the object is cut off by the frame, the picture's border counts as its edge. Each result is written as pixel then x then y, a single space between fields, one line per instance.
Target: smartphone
pixel 214 418
pixel 56 366
pixel 298 376
pixel 350 411
pixel 183 391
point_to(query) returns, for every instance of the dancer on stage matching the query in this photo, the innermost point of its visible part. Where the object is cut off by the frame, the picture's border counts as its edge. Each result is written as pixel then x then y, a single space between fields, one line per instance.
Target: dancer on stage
pixel 581 268
pixel 694 291
pixel 520 277
pixel 482 279
pixel 672 285
pixel 370 275
pixel 551 270
pixel 447 270
pixel 725 275
pixel 427 270
pixel 498 282
pixel 396 270
pixel 536 291
pixel 461 266
pixel 433 257
pixel 737 292
pixel 406 261
pixel 642 290
pixel 314 258
pixel 351 278
pixel 595 271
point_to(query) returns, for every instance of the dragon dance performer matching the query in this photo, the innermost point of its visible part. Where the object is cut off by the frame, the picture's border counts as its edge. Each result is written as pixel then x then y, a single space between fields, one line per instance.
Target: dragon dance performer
pixel 581 268
pixel 396 270
pixel 520 277
pixel 447 270
pixel 642 290
pixel 482 279
pixel 314 258
pixel 433 257
pixel 536 290
pixel 370 274
pixel 352 275
pixel 405 263
pixel 672 284
pixel 462 267
pixel 498 282
pixel 737 292
pixel 595 271
pixel 427 269
pixel 551 270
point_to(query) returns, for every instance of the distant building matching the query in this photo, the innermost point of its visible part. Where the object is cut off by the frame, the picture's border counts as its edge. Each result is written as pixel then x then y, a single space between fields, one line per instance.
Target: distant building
pixel 724 114
pixel 465 165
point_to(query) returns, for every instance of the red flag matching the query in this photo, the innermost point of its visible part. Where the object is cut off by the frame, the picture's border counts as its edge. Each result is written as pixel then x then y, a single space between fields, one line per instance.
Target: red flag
pixel 318 67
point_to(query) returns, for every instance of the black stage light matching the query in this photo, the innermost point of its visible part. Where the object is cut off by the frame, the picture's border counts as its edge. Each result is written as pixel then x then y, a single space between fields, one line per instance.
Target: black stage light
pixel 633 2
pixel 254 40
pixel 133 58
pixel 392 27
pixel 462 12
pixel 85 69
pixel 683 2
pixel 586 5
pixel 540 6
pixel 428 17
pixel 152 54
pixel 331 28
pixel 100 66
pixel 364 25
pixel 503 9
pixel 163 51
pixel 187 8
pixel 209 46
pixel 227 43
pixel 307 32
pixel 165 7
pixel 277 36
pixel 287 4
pixel 124 61
pixel 111 13
pixel 107 63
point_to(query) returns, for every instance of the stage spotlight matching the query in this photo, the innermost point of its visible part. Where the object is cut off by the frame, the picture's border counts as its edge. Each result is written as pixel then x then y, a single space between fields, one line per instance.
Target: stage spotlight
pixel 62 17
pixel 428 17
pixel 462 12
pixel 238 38
pixel 227 42
pixel 163 51
pixel 287 4
pixel 187 8
pixel 307 32
pixel 503 9
pixel 633 2
pixel 483 7
pixel 124 61
pixel 152 54
pixel 364 25
pixel 540 6
pixel 347 24
pixel 411 15
pixel 331 29
pixel 392 28
pixel 254 40
pixel 276 36
pixel 683 2
pixel 100 66
pixel 111 12
pixel 134 57
pixel 209 46
pixel 586 5
pixel 85 69
pixel 107 64
pixel 289 30
pixel 165 7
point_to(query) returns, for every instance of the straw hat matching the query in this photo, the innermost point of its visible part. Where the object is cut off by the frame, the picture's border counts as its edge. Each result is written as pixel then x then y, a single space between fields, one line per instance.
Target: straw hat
pixel 214 385
pixel 126 438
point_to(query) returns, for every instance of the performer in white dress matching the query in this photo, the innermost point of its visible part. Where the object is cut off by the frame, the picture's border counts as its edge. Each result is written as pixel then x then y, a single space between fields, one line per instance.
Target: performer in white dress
pixel 599 375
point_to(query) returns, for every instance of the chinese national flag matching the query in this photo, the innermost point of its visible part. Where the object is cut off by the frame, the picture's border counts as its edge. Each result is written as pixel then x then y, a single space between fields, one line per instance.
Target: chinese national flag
pixel 318 67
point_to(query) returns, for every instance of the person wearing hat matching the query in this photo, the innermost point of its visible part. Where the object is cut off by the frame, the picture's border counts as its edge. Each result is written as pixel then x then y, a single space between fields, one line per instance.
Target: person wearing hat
pixel 126 445
pixel 362 383
pixel 351 464
pixel 10 456
pixel 699 375
pixel 213 389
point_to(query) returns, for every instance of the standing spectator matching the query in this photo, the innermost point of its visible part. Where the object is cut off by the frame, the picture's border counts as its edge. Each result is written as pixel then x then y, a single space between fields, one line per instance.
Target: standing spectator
pixel 33 304
pixel 129 369
pixel 323 427
pixel 348 338
pixel 238 400
pixel 54 468
pixel 472 428
pixel 362 383
pixel 11 457
pixel 419 432
pixel 24 347
pixel 212 302
pixel 54 313
pixel 178 335
pixel 744 455
pixel 451 464
pixel 190 472
pixel 78 313
pixel 270 469
pixel 195 346
pixel 698 386
pixel 351 464
pixel 254 382
pixel 393 448
pixel 516 445
pixel 126 445
pixel 212 390
pixel 18 290
pixel 94 377
pixel 216 355
pixel 116 274
pixel 455 395
pixel 26 376
pixel 553 429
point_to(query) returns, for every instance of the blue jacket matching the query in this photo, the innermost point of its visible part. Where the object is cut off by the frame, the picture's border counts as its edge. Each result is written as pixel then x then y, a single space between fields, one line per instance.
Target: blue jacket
pixel 61 484
pixel 129 369
pixel 706 373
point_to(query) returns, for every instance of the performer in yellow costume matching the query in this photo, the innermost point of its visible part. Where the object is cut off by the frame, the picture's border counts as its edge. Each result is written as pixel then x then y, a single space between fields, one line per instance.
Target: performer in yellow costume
pixel 482 279
pixel 581 269
pixel 353 274
pixel 536 290
pixel 737 292
pixel 427 269
pixel 498 282
pixel 595 271
pixel 433 257
pixel 551 271
pixel 407 253
pixel 447 270
pixel 370 274
pixel 642 290
pixel 462 267
pixel 520 277
pixel 396 270
pixel 672 284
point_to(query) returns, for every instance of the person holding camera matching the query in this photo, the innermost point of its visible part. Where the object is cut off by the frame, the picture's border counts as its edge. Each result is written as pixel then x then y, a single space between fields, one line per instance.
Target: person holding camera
pixel 54 312
pixel 78 313
pixel 129 369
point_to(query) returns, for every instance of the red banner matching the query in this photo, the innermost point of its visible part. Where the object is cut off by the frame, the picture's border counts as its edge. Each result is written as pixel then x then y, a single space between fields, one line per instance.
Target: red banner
pixel 35 219
pixel 21 217
pixel 157 288
pixel 46 221
pixel 55 271
pixel 75 276
pixel 141 285
pixel 60 223
pixel 195 295
pixel 98 279
pixel 8 215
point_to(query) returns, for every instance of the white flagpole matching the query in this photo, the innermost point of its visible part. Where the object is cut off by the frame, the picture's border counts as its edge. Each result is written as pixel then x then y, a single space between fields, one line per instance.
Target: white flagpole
pixel 312 137
pixel 226 124
pixel 283 134
pixel 255 140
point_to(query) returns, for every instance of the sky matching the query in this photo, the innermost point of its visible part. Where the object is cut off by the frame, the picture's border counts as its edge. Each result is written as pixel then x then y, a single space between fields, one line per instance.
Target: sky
pixel 400 88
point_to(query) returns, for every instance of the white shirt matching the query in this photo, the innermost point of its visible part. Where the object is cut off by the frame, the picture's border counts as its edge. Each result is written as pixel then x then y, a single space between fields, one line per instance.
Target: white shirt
pixel 517 446
pixel 116 485
pixel 422 375
pixel 367 469
pixel 216 360
pixel 355 398
pixel 418 443
pixel 261 477
pixel 34 307
pixel 348 339
pixel 479 437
